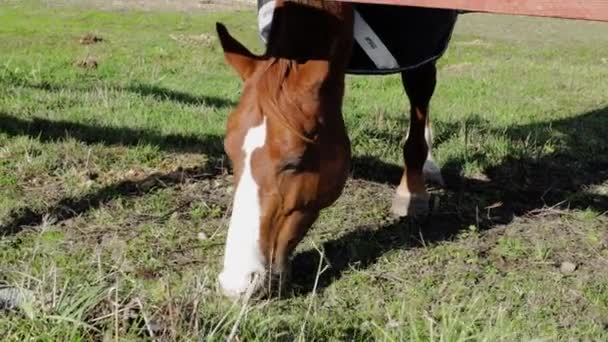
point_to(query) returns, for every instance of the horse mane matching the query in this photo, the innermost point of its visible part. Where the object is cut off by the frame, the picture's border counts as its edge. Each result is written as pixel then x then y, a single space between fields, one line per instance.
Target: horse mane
pixel 285 58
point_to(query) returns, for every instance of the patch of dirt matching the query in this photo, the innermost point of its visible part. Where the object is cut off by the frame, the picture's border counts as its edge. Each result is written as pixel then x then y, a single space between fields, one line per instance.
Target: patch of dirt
pixel 133 183
pixel 88 63
pixel 90 38
pixel 457 69
pixel 203 39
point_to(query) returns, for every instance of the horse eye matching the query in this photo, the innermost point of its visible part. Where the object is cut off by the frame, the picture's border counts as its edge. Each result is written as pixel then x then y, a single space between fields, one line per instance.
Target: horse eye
pixel 291 164
pixel 289 167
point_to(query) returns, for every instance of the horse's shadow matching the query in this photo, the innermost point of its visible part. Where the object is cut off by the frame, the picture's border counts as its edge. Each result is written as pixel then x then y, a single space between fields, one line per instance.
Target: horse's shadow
pixel 520 185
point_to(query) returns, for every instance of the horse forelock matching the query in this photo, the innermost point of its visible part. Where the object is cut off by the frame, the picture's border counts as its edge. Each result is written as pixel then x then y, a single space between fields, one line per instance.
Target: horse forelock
pixel 278 101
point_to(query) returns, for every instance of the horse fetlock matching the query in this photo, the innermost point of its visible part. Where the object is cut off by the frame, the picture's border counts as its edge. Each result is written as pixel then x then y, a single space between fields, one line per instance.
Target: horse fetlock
pixel 410 204
pixel 432 173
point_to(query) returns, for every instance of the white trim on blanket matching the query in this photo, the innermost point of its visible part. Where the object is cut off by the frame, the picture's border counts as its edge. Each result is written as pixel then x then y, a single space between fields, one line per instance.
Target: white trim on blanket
pixel 373 45
pixel 405 68
pixel 265 20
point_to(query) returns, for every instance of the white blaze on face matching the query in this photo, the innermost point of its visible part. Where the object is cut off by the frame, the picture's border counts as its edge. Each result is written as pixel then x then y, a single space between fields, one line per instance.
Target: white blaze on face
pixel 243 258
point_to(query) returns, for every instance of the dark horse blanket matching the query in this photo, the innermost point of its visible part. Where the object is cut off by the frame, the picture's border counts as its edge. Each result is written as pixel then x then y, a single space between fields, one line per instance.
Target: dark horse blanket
pixel 388 38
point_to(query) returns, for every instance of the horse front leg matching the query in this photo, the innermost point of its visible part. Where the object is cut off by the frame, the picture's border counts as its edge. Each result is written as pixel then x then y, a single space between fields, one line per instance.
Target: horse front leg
pixel 411 198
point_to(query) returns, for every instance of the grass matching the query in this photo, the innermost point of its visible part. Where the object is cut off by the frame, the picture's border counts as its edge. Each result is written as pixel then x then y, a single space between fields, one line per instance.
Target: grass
pixel 109 174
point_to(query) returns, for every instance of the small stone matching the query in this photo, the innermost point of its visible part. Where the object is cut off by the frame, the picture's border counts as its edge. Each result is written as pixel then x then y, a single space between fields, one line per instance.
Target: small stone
pixel 13 298
pixel 604 242
pixel 154 327
pixel 135 173
pixel 392 324
pixel 202 236
pixel 567 267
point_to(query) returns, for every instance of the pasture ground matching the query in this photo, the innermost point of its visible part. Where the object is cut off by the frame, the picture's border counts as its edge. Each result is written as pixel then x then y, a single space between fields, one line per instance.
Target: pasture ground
pixel 111 164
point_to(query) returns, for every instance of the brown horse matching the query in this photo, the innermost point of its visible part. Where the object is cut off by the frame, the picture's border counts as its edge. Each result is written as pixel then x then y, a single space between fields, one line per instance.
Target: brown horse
pixel 288 143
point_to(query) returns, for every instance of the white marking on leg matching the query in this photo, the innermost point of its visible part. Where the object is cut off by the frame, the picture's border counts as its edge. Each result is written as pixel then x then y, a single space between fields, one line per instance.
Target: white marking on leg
pixel 430 170
pixel 243 257
pixel 410 204
pixel 428 136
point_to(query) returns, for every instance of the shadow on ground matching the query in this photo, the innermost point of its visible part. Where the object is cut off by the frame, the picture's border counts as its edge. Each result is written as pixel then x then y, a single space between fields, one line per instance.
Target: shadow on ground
pixel 521 185
pixel 52 130
pixel 72 207
pixel 47 130
pixel 142 89
pixel 163 94
pixel 55 130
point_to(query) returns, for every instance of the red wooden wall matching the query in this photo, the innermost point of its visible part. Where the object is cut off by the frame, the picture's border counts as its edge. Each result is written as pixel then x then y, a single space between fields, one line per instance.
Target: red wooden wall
pixel 571 9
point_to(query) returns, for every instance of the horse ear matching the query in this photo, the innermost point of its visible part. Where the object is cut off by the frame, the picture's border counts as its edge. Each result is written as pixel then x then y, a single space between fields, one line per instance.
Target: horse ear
pixel 237 55
pixel 313 69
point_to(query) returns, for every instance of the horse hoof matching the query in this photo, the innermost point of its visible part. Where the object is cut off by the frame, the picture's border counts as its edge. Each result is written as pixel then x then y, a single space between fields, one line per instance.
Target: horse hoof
pixel 412 204
pixel 432 173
